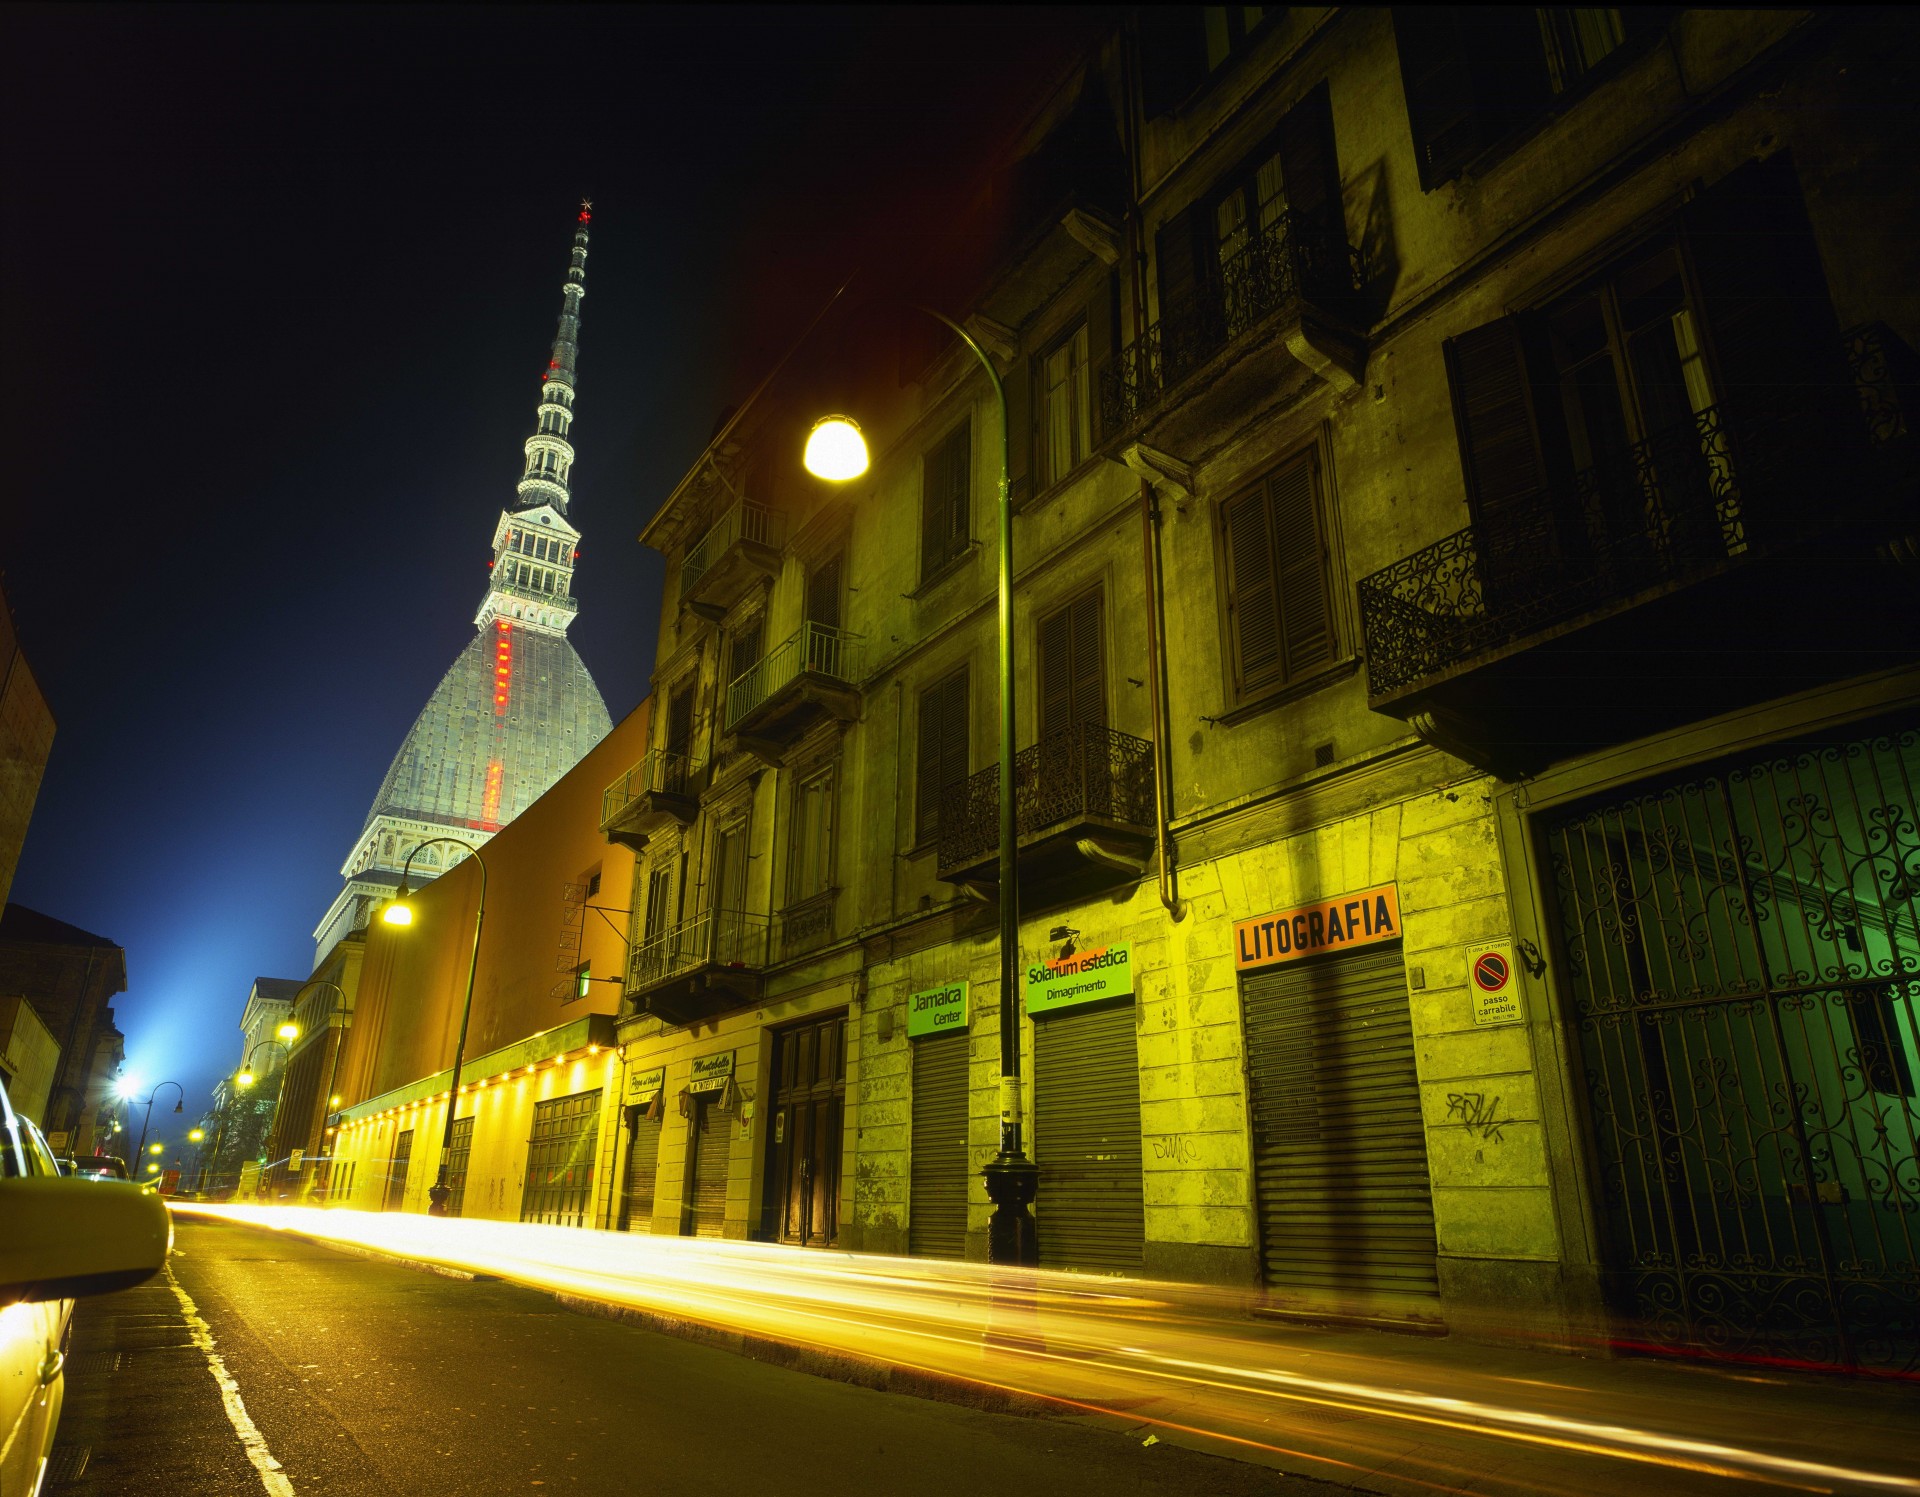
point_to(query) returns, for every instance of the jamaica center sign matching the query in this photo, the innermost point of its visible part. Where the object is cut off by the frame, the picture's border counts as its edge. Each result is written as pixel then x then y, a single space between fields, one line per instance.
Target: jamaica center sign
pixel 1363 918
pixel 1493 984
pixel 940 1010
pixel 1084 977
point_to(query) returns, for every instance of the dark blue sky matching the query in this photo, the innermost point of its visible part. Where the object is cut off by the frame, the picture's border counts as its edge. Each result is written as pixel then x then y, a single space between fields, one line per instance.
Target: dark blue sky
pixel 278 285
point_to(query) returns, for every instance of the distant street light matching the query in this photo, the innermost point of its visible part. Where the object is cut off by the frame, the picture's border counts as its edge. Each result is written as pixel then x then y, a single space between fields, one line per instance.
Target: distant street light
pixel 399 914
pixel 836 451
pixel 179 1106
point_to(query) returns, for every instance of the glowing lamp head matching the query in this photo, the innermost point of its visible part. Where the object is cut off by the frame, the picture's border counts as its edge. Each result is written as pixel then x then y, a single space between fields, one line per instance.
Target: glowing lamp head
pixel 288 1031
pixel 125 1087
pixel 194 1135
pixel 245 1078
pixel 156 1148
pixel 333 1102
pixel 398 914
pixel 835 449
pixel 153 1169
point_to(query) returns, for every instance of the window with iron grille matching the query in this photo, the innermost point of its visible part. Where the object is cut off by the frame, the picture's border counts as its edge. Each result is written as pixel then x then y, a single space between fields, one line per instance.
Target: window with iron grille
pixel 458 1151
pixel 945 491
pixel 942 759
pixel 1280 615
pixel 560 1152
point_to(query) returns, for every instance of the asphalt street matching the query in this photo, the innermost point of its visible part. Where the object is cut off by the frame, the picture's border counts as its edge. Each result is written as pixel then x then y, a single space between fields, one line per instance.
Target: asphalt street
pixel 353 1376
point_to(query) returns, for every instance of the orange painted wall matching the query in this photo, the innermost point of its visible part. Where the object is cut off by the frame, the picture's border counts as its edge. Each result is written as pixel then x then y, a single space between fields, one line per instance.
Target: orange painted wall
pixel 407 1015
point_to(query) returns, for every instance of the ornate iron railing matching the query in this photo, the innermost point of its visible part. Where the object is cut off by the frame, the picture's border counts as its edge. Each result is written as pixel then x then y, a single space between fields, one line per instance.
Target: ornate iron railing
pixel 812 649
pixel 563 602
pixel 1086 770
pixel 744 521
pixel 714 938
pixel 660 771
pixel 1650 513
pixel 1286 263
pixel 808 924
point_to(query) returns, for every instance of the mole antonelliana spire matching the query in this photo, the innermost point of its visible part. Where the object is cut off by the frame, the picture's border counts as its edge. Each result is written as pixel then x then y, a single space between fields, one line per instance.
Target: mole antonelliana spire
pixel 517 709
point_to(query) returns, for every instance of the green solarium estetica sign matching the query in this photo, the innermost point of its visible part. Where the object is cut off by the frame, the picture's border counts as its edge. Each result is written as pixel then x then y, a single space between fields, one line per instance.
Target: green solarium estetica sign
pixel 1084 977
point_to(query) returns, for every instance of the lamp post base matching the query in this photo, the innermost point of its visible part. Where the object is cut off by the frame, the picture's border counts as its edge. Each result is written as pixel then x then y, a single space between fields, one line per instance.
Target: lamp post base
pixel 1012 1182
pixel 438 1195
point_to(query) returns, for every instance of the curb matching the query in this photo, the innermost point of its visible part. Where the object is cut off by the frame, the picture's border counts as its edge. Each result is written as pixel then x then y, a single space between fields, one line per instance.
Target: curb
pixel 418 1265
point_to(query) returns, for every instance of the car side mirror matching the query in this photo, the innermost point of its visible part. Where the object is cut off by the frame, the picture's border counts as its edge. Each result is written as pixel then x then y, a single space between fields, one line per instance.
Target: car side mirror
pixel 61 1237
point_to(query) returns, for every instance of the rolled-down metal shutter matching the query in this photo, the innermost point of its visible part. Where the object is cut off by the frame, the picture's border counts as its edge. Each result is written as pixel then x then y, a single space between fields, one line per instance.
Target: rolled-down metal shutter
pixel 1340 1153
pixel 1086 1140
pixel 643 1165
pixel 937 1173
pixel 707 1137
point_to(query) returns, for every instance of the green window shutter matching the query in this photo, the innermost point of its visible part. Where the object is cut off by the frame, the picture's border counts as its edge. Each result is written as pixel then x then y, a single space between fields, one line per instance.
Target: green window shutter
pixel 1056 673
pixel 1089 663
pixel 1301 567
pixel 1253 613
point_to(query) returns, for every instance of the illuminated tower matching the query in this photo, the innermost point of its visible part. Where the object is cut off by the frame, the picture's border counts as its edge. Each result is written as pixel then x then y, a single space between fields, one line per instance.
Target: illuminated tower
pixel 517 709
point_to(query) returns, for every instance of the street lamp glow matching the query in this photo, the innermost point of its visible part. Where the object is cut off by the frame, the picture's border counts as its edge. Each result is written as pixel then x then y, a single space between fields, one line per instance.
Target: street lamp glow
pixel 245 1078
pixel 125 1087
pixel 835 449
pixel 196 1134
pixel 288 1031
pixel 398 913
pixel 156 1148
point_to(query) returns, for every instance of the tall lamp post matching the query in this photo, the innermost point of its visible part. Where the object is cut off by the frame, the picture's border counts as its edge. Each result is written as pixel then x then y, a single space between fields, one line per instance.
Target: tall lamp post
pixel 179 1106
pixel 400 914
pixel 836 451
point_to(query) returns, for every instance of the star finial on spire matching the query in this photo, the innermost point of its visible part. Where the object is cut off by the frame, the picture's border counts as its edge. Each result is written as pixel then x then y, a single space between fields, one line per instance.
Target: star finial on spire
pixel 586 210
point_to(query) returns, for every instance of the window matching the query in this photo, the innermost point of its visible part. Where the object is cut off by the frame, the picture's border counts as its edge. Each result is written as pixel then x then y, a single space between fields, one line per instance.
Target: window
pixel 582 976
pixel 1073 675
pixel 593 883
pixel 745 648
pixel 942 750
pixel 1066 407
pixel 810 843
pixel 945 494
pixel 1476 75
pixel 1279 593
pixel 1227 29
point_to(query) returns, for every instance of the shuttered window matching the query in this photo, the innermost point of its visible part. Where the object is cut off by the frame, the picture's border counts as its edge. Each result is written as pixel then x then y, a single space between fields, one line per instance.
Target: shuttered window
pixel 945 493
pixel 1086 1138
pixel 745 648
pixel 942 758
pixel 659 899
pixel 1280 617
pixel 643 1170
pixel 810 843
pixel 937 1174
pixel 707 1147
pixel 1073 672
pixel 1066 406
pixel 1340 1158
pixel 823 593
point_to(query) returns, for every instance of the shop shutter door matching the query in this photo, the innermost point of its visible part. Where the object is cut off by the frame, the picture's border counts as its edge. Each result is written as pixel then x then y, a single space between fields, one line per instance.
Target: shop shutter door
pixel 1086 1139
pixel 937 1176
pixel 643 1162
pixel 1340 1157
pixel 708 1139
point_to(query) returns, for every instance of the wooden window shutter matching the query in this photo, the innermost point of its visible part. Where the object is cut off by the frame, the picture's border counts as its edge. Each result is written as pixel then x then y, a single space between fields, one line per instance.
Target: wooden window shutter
pixel 1056 673
pixel 1103 321
pixel 1182 272
pixel 1503 458
pixel 1310 169
pixel 823 593
pixel 942 750
pixel 680 721
pixel 945 508
pixel 1073 673
pixel 1173 56
pixel 1301 567
pixel 659 897
pixel 1253 613
pixel 748 642
pixel 1471 73
pixel 1785 393
pixel 1089 663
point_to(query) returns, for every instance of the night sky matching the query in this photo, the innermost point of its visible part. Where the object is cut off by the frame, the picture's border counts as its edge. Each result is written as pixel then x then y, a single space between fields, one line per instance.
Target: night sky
pixel 278 286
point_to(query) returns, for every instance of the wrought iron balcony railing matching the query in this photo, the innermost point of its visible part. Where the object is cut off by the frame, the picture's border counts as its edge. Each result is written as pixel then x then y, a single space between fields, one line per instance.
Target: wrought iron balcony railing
pixel 714 938
pixel 812 649
pixel 744 521
pixel 563 602
pixel 661 772
pixel 1289 262
pixel 1086 771
pixel 1648 514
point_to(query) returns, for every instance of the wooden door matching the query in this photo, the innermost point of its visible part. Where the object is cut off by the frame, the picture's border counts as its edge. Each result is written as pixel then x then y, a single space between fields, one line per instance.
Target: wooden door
pixel 802 1202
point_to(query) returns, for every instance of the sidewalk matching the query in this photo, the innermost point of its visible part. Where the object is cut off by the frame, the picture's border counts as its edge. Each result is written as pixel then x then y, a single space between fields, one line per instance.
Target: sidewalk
pixel 1385 1413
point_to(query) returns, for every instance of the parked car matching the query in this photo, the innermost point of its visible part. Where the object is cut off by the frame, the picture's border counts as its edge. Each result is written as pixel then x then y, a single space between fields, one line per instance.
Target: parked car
pixel 60 1238
pixel 94 1167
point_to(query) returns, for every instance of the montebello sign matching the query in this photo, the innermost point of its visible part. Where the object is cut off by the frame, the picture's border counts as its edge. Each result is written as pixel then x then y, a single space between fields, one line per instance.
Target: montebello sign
pixel 1362 918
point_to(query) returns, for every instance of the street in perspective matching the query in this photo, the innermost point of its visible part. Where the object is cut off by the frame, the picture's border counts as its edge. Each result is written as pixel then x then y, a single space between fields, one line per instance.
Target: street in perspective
pixel 1177 752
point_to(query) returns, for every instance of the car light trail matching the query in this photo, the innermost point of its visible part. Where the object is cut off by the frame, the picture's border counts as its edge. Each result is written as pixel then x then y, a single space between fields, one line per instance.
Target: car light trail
pixel 1180 1358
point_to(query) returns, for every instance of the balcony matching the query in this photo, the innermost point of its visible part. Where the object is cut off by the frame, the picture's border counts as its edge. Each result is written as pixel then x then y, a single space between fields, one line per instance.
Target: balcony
pixel 701 968
pixel 1083 807
pixel 1277 313
pixel 663 787
pixel 740 548
pixel 1715 565
pixel 808 676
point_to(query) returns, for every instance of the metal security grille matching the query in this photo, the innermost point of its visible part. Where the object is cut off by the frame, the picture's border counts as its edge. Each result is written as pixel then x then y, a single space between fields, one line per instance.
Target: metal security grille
pixel 397 1171
pixel 937 1173
pixel 643 1169
pixel 707 1143
pixel 457 1154
pixel 1340 1153
pixel 1086 1139
pixel 559 1186
pixel 1743 968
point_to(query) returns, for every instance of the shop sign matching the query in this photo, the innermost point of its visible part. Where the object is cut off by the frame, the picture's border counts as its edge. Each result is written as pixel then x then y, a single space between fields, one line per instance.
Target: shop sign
pixel 644 1086
pixel 937 1010
pixel 1084 977
pixel 1362 918
pixel 293 1161
pixel 1491 981
pixel 711 1072
pixel 57 1140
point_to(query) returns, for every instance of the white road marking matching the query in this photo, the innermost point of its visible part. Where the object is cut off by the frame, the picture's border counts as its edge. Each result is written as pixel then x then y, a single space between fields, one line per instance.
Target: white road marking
pixel 271 1476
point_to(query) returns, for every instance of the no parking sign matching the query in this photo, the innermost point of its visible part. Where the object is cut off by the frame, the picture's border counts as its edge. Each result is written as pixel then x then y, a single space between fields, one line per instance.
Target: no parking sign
pixel 1493 983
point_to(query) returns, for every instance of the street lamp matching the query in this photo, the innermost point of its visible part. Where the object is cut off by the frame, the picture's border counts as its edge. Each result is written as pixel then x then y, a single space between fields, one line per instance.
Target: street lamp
pixel 836 451
pixel 399 914
pixel 179 1106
